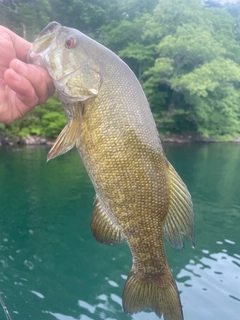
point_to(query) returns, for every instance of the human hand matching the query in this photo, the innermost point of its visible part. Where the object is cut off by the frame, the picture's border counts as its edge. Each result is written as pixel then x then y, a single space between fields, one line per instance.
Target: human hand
pixel 22 86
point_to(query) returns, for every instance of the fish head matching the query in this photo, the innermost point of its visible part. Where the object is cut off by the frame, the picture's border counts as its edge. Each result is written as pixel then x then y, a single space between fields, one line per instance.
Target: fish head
pixel 67 55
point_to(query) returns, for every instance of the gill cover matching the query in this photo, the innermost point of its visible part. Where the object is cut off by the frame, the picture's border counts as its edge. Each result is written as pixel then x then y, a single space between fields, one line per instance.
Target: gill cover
pixel 69 59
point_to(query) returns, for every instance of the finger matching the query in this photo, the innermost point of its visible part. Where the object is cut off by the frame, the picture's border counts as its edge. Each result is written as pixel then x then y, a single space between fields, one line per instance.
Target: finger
pixel 21 45
pixel 37 76
pixel 23 89
pixel 15 105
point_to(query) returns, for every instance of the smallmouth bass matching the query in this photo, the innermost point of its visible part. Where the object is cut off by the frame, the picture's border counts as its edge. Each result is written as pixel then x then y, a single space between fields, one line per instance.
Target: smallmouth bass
pixel 139 195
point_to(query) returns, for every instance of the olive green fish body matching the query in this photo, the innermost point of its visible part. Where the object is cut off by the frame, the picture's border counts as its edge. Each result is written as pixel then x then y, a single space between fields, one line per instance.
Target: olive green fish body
pixel 129 171
pixel 139 195
pixel 122 152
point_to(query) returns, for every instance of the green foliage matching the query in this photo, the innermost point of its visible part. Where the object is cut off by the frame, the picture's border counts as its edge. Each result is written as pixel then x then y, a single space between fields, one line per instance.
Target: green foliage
pixel 185 54
pixel 198 61
pixel 29 19
pixel 52 123
pixel 46 120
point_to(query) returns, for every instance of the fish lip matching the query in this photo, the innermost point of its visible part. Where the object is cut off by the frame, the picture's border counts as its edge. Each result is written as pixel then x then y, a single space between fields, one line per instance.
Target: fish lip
pixel 34 58
pixel 50 32
pixel 52 27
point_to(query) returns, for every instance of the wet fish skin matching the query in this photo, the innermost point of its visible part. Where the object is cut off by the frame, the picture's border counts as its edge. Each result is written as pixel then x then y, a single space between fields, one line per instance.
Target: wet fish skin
pixel 139 195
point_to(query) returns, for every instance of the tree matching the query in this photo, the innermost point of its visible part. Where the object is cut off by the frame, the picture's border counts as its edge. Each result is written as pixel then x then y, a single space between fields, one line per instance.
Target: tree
pixel 86 16
pixel 185 54
pixel 30 16
pixel 194 82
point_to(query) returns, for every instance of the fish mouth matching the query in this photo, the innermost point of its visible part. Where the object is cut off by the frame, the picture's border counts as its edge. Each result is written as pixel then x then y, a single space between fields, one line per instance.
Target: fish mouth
pixel 37 56
pixel 43 43
pixel 49 29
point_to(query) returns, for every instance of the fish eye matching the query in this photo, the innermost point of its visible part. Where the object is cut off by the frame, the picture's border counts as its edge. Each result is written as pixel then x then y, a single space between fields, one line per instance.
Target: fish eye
pixel 70 42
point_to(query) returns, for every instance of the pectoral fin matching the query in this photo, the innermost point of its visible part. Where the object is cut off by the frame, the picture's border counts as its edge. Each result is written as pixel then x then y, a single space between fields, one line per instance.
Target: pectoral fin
pixel 179 219
pixel 67 138
pixel 103 228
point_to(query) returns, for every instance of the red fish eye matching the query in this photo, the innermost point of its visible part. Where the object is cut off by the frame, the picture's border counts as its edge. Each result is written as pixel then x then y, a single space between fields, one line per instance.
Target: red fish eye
pixel 70 42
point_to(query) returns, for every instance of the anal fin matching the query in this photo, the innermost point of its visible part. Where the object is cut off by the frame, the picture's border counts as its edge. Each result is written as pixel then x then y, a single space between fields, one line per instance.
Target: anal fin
pixel 179 219
pixel 103 228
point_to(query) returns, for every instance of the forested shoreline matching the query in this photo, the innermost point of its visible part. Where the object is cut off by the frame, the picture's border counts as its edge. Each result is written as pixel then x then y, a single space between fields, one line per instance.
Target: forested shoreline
pixel 186 54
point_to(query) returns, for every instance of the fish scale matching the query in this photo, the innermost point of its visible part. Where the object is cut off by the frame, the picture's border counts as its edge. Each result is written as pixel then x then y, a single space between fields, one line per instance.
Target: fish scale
pixel 139 195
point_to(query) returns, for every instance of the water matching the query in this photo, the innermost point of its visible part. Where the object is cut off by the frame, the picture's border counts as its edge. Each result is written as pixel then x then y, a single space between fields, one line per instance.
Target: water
pixel 52 268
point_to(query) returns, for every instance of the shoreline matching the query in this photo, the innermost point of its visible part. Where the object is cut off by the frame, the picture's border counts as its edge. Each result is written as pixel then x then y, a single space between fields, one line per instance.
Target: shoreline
pixel 26 141
pixel 194 139
pixel 176 139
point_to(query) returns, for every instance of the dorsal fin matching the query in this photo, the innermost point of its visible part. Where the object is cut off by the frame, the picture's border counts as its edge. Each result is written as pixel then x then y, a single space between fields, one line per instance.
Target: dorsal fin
pixel 103 228
pixel 179 219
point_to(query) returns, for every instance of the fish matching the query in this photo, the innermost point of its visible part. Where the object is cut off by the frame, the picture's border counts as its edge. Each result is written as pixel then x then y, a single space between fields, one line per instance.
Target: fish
pixel 140 198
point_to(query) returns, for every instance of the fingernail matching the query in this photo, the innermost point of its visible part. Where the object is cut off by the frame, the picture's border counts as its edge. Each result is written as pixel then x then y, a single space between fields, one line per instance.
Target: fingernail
pixel 15 76
pixel 21 68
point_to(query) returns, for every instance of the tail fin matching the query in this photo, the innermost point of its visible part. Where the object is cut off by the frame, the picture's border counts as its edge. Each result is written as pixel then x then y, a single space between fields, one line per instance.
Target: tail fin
pixel 146 292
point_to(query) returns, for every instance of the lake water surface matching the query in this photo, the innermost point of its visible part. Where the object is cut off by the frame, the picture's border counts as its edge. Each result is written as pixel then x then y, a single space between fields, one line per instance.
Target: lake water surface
pixel 51 267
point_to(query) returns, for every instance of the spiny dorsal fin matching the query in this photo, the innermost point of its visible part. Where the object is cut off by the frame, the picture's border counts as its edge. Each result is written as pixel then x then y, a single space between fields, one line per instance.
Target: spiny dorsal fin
pixel 103 228
pixel 67 138
pixel 179 219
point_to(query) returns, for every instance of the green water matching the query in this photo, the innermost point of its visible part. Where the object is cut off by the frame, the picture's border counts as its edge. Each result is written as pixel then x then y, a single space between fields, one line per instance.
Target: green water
pixel 52 268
